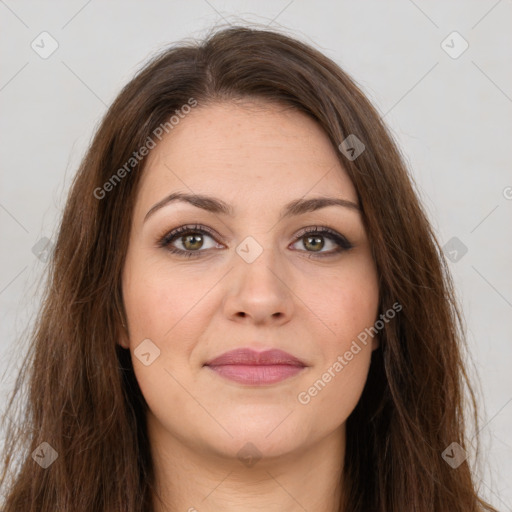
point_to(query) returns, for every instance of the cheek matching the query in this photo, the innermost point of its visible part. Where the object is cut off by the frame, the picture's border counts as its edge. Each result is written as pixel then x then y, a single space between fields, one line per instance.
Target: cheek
pixel 346 301
pixel 159 301
pixel 332 394
pixel 161 307
pixel 348 306
pixel 172 310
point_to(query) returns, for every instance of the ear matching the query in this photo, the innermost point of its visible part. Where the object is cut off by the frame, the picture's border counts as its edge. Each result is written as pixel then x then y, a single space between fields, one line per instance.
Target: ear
pixel 376 342
pixel 123 338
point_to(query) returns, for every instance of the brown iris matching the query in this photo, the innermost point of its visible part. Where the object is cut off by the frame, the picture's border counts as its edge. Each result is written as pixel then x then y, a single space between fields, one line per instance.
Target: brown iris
pixel 196 241
pixel 317 243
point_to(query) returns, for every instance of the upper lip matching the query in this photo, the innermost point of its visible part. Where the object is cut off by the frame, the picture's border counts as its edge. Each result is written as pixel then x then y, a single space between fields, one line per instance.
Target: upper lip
pixel 250 357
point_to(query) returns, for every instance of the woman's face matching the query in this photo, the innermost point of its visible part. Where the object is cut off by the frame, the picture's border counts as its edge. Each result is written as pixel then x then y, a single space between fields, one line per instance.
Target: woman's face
pixel 248 277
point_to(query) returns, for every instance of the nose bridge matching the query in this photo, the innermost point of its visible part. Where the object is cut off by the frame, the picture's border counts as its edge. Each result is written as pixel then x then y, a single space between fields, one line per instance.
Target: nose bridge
pixel 259 288
pixel 259 261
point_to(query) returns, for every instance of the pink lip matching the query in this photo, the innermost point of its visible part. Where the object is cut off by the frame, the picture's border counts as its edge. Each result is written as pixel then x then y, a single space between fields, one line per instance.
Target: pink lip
pixel 247 366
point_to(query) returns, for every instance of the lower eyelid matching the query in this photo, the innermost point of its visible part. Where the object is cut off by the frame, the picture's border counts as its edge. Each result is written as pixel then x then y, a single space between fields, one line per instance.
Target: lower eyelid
pixel 168 241
pixel 340 242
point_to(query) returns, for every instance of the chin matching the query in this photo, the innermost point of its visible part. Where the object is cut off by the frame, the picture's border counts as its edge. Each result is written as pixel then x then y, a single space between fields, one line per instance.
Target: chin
pixel 267 439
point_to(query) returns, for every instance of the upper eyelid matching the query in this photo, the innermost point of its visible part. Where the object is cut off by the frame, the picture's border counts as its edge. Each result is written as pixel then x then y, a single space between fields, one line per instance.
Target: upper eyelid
pixel 192 228
pixel 195 228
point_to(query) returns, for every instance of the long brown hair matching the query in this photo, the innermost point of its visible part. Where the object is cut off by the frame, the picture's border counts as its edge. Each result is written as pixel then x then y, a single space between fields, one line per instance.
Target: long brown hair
pixel 82 397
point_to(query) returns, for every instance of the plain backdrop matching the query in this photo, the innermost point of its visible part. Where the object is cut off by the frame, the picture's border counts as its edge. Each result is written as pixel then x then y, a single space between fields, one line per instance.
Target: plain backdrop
pixel 446 96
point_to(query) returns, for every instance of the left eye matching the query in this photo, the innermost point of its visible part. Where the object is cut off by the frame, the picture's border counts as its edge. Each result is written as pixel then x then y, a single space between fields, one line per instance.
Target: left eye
pixel 192 240
pixel 314 238
pixel 316 242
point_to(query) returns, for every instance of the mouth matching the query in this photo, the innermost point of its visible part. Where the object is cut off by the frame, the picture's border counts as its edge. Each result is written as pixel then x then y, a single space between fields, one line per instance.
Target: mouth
pixel 246 366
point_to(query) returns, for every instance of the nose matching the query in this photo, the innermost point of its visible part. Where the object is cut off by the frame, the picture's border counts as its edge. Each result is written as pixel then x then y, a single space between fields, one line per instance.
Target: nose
pixel 260 292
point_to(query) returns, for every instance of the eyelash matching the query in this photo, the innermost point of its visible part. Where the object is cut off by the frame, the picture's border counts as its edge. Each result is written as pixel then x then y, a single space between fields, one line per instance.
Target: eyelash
pixel 340 240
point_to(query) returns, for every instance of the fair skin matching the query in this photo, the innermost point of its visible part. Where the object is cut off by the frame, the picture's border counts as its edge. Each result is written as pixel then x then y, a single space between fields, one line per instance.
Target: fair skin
pixel 298 295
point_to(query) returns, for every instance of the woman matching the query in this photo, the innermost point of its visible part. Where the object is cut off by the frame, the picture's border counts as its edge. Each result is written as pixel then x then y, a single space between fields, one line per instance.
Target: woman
pixel 247 308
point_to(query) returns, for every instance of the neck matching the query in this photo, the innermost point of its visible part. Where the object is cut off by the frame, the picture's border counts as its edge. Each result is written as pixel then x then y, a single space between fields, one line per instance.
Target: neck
pixel 197 480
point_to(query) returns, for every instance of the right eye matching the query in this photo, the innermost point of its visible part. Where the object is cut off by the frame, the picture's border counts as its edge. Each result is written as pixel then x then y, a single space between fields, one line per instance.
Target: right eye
pixel 191 238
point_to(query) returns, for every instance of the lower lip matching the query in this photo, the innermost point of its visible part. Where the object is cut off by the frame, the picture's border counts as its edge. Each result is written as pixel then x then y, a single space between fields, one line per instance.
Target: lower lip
pixel 257 374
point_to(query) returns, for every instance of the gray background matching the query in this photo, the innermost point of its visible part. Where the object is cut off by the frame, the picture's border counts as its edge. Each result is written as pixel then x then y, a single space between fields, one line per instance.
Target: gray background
pixel 451 117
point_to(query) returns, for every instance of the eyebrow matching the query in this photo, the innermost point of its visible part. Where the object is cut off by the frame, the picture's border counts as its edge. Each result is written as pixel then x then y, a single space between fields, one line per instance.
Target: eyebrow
pixel 215 205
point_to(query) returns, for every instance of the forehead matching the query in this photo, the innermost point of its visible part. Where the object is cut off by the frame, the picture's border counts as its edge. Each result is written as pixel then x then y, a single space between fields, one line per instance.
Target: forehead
pixel 255 152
